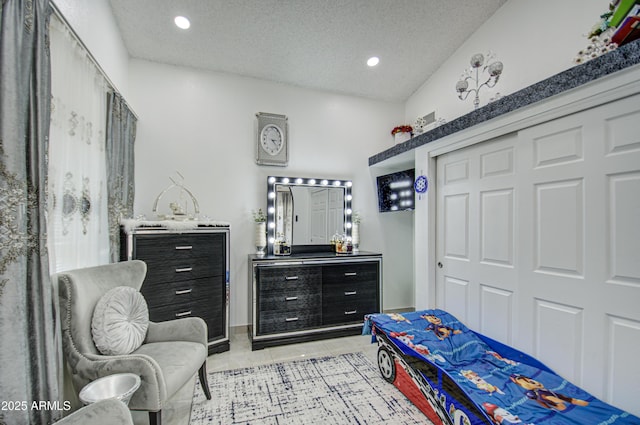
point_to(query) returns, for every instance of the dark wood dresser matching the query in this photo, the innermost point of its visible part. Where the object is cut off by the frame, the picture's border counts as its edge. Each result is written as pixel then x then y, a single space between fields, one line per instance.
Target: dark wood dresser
pixel 187 274
pixel 311 297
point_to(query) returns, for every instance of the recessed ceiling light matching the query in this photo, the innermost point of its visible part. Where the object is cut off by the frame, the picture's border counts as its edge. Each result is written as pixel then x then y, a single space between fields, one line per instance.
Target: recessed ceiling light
pixel 182 22
pixel 373 61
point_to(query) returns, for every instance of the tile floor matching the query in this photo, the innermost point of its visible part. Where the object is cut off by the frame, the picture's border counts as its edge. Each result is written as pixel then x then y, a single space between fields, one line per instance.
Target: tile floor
pixel 241 356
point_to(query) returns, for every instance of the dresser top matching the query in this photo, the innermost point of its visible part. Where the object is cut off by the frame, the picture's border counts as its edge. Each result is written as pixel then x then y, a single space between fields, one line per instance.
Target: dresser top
pixel 133 225
pixel 314 256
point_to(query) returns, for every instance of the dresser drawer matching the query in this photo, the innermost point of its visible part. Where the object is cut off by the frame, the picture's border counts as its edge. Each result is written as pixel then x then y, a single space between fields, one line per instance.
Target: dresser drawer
pixel 182 246
pixel 349 291
pixel 290 301
pixel 350 273
pixel 276 277
pixel 210 310
pixel 171 270
pixel 348 312
pixel 184 291
pixel 276 322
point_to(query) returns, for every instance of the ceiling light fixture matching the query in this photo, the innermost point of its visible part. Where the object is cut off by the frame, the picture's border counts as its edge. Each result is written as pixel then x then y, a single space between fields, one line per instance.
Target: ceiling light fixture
pixel 373 61
pixel 182 22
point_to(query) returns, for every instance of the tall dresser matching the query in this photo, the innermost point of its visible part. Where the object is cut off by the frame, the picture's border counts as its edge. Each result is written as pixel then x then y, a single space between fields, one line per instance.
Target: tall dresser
pixel 187 272
pixel 307 297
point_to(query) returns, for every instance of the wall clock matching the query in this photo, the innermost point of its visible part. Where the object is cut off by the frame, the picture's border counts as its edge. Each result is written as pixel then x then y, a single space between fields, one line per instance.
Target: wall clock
pixel 272 141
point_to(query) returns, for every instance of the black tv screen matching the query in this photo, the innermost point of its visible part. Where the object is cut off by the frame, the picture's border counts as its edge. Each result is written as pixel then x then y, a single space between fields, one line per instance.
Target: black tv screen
pixel 395 191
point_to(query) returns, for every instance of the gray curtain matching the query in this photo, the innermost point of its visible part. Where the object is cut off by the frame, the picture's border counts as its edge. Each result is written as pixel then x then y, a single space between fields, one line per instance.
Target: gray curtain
pixel 28 352
pixel 121 135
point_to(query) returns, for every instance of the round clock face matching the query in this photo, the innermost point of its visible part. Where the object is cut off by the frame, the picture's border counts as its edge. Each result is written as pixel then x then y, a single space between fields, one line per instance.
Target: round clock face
pixel 272 139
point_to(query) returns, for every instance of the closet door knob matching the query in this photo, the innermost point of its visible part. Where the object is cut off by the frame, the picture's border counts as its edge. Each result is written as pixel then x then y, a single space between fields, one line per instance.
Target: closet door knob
pixel 439 265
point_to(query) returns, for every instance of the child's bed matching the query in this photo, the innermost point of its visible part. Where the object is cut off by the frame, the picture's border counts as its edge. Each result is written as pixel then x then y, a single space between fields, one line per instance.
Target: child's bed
pixel 457 376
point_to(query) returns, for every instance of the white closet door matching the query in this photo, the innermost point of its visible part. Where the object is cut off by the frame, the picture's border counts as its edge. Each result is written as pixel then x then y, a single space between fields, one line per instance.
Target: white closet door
pixel 544 254
pixel 476 236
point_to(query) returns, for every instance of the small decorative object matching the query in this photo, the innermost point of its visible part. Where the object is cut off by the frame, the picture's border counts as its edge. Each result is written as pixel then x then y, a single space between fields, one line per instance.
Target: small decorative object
pixel 420 125
pixel 598 45
pixel 260 236
pixel 180 206
pixel 492 67
pixel 281 246
pixel 401 133
pixel 343 244
pixel 272 141
pixel 421 185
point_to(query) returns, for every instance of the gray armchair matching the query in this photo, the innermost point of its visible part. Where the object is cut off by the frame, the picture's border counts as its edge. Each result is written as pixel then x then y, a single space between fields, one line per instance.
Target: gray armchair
pixel 170 355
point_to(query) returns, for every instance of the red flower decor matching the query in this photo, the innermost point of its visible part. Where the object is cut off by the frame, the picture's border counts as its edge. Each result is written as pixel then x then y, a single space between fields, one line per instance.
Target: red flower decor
pixel 401 129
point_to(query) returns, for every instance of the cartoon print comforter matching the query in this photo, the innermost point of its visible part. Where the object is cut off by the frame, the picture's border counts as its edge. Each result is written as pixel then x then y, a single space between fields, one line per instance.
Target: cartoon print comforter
pixel 508 390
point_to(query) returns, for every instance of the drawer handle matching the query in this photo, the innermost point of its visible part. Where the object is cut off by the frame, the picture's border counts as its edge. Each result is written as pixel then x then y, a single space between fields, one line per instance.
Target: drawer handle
pixel 185 247
pixel 184 291
pixel 184 269
pixel 351 292
pixel 291 298
pixel 291 319
pixel 350 312
pixel 183 314
pixel 351 274
pixel 291 278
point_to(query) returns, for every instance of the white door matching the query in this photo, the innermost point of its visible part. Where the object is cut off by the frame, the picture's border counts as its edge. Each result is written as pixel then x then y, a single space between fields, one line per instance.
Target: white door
pixel 319 209
pixel 335 220
pixel 476 236
pixel 538 234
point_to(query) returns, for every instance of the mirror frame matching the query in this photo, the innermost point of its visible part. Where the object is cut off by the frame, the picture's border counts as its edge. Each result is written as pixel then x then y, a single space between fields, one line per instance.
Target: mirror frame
pixel 272 181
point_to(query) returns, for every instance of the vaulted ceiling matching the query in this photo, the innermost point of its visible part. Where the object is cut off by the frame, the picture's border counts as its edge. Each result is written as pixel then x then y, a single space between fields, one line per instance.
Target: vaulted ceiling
pixel 318 44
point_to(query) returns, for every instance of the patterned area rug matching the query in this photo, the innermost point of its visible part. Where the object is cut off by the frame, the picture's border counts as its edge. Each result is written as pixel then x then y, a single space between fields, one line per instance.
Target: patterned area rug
pixel 345 389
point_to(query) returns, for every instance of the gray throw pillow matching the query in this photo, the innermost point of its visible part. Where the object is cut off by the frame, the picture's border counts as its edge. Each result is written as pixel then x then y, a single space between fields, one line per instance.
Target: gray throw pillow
pixel 120 321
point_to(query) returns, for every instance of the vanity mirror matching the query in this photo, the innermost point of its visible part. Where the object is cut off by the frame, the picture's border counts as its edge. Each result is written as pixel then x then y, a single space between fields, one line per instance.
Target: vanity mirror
pixel 307 212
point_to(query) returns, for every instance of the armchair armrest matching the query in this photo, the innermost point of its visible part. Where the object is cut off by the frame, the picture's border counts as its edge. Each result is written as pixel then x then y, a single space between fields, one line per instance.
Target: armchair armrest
pixel 104 412
pixel 151 394
pixel 191 329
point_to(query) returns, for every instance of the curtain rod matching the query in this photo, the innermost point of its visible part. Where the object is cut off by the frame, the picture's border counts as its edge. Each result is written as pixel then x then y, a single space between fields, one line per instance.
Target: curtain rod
pixel 75 35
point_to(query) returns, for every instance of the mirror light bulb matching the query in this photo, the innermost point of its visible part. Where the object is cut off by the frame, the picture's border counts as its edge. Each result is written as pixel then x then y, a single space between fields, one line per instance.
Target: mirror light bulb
pixel 325 182
pixel 298 181
pixel 285 180
pixel 272 180
pixel 312 181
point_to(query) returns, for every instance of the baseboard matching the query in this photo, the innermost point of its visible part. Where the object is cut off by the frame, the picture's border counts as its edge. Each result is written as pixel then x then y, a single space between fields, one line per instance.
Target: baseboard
pixel 399 310
pixel 238 330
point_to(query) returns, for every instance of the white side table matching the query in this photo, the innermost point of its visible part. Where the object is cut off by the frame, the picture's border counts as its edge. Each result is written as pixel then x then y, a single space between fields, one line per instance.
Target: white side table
pixel 120 386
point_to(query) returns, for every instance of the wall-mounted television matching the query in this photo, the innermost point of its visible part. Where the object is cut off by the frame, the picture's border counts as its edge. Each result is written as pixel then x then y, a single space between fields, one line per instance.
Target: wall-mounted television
pixel 395 191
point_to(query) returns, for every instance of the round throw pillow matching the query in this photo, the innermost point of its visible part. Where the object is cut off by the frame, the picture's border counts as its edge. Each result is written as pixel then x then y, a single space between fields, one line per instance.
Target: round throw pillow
pixel 120 321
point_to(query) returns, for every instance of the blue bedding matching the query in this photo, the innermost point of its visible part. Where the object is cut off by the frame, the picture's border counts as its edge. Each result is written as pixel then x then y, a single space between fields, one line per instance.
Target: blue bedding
pixel 505 384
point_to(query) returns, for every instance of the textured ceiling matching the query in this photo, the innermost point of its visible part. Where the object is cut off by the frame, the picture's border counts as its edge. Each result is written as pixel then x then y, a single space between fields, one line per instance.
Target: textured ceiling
pixel 319 44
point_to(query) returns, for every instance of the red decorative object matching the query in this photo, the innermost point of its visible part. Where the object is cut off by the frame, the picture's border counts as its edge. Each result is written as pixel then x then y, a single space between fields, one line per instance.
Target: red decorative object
pixel 401 129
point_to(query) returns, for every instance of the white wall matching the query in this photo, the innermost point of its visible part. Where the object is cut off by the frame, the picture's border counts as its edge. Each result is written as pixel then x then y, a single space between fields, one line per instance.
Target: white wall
pixel 533 39
pixel 203 124
pixel 95 24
